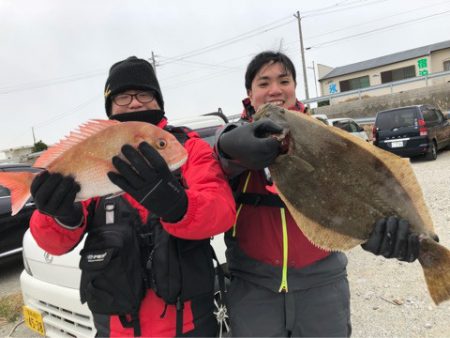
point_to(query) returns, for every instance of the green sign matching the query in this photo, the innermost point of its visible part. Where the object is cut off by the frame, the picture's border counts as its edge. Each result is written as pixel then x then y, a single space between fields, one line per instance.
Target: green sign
pixel 422 64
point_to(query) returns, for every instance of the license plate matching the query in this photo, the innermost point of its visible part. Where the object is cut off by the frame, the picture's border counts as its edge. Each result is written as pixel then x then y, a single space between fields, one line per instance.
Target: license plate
pixel 33 319
pixel 398 144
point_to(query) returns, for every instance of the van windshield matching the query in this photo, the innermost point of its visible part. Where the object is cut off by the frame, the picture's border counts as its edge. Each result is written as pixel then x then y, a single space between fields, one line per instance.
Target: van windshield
pixel 393 119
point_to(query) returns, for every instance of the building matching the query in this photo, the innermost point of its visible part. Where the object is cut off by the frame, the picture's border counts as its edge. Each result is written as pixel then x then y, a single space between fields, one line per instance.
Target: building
pixel 394 73
pixel 15 155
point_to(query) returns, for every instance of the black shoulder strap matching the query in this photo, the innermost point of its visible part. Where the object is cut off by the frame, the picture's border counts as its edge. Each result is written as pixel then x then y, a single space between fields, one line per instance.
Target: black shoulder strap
pixel 181 133
pixel 254 199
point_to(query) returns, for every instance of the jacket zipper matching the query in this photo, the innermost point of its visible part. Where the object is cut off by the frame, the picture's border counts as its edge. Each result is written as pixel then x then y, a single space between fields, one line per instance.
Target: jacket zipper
pixel 284 284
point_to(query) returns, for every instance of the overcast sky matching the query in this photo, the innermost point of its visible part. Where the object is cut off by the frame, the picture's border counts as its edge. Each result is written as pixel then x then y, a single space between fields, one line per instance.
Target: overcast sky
pixel 55 54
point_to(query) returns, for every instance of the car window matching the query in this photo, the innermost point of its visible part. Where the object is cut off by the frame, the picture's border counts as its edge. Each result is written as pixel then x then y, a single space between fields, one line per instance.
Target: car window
pixel 401 118
pixel 355 128
pixel 343 125
pixel 208 134
pixel 3 192
pixel 429 115
pixel 439 116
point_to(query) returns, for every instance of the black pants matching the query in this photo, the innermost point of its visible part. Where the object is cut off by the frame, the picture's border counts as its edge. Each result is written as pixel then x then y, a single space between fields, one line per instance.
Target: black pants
pixel 322 311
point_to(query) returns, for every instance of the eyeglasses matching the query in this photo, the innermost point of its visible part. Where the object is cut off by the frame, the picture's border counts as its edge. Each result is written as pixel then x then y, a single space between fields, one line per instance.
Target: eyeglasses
pixel 125 99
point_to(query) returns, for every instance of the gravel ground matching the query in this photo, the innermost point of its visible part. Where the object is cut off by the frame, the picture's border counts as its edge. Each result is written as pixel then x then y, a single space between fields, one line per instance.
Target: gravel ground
pixel 389 298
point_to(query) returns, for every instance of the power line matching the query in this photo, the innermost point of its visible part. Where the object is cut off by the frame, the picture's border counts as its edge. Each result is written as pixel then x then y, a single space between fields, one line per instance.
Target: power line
pixel 50 82
pixel 240 37
pixel 345 8
pixel 376 20
pixel 72 111
pixel 376 30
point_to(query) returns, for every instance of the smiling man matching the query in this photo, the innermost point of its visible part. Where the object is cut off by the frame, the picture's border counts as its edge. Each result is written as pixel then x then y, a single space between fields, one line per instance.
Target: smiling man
pixel 282 285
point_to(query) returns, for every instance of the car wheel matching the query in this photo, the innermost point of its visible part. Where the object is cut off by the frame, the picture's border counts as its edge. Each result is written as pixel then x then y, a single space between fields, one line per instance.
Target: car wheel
pixel 432 152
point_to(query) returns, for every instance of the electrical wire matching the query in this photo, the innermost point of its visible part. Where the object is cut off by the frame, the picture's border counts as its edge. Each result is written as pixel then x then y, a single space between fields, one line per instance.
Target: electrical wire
pixel 227 42
pixel 376 30
pixel 50 82
pixel 376 20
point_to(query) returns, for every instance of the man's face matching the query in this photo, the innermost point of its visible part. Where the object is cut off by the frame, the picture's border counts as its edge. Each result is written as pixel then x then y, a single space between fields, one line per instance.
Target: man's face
pixel 137 103
pixel 272 85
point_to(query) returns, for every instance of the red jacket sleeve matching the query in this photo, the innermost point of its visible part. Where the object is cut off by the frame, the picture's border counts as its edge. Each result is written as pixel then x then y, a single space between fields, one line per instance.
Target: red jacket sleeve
pixel 54 238
pixel 211 206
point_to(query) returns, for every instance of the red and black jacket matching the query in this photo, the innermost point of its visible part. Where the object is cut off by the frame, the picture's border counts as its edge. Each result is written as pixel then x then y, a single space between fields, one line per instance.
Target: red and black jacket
pixel 211 211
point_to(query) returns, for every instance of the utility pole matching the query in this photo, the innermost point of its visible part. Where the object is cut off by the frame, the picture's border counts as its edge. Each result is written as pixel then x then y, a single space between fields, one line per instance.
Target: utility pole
pixel 315 79
pixel 302 52
pixel 34 138
pixel 154 62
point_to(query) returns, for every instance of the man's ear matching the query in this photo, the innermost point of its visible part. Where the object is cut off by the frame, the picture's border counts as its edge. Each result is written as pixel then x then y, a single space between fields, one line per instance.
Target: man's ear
pixel 250 96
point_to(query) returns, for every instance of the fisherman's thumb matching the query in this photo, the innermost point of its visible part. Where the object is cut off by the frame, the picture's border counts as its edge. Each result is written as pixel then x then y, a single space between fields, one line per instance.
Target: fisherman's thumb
pixel 266 127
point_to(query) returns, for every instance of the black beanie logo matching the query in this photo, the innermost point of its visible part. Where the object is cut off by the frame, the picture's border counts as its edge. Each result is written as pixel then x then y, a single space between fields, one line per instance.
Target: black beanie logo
pixel 107 91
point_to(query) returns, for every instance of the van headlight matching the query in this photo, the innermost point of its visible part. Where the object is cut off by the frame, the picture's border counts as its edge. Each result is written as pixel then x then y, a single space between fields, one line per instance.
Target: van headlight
pixel 25 262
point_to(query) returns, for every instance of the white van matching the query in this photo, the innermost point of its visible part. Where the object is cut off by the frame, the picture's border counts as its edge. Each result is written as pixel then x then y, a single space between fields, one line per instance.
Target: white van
pixel 50 283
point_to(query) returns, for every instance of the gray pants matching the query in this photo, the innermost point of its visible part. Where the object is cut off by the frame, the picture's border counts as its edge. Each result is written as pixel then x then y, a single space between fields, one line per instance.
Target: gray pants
pixel 322 311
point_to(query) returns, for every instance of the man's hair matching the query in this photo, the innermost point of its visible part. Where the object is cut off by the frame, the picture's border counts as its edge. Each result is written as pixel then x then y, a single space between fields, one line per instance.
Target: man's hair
pixel 267 57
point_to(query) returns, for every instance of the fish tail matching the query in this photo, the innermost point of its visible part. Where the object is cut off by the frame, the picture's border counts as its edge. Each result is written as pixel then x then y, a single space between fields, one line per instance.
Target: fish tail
pixel 18 184
pixel 435 261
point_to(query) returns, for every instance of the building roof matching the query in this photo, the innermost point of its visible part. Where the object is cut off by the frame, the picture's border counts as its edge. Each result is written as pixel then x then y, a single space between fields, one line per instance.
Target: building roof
pixel 386 59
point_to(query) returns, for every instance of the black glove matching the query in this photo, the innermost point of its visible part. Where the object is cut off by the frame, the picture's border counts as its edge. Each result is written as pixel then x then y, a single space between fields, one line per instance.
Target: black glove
pixel 392 238
pixel 149 181
pixel 252 144
pixel 54 195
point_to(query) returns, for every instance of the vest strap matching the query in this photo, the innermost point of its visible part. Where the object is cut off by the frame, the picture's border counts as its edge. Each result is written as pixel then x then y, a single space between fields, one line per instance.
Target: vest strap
pixel 255 199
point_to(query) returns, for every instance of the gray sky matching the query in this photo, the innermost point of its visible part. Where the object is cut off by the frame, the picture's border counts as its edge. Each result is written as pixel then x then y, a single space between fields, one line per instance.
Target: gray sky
pixel 55 54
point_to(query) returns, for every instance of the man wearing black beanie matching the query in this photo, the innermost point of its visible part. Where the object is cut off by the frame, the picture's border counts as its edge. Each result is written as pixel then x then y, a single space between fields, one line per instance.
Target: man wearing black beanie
pixel 155 276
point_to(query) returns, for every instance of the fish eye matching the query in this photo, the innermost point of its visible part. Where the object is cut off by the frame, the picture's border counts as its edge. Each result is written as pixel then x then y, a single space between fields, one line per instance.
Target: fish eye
pixel 161 143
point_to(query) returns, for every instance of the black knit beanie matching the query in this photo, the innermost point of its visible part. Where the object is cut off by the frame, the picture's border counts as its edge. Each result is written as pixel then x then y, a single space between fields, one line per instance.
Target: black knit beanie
pixel 131 73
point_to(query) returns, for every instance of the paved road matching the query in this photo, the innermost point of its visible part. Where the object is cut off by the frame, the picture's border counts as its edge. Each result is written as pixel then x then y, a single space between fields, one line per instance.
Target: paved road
pixel 10 269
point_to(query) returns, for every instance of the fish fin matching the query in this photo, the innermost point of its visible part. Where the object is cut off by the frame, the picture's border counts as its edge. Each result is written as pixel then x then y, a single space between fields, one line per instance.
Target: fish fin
pixel 75 137
pixel 319 235
pixel 435 261
pixel 18 184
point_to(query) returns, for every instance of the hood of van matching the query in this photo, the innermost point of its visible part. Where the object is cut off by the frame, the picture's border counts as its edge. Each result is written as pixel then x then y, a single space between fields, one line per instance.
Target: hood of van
pixel 60 270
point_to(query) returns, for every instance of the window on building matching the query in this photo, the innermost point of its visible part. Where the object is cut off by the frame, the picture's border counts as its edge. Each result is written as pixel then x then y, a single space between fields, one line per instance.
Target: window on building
pixel 446 65
pixel 356 83
pixel 398 74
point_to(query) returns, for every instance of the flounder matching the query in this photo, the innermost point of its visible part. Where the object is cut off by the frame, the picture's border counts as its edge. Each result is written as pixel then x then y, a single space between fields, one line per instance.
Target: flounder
pixel 337 186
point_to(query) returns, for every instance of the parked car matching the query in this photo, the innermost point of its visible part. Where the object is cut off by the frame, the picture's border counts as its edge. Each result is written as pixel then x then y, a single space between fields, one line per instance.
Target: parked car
pixel 12 228
pixel 344 123
pixel 412 131
pixel 50 284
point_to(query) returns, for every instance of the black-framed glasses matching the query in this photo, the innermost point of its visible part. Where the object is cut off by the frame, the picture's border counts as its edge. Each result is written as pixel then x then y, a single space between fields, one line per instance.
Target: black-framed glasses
pixel 142 97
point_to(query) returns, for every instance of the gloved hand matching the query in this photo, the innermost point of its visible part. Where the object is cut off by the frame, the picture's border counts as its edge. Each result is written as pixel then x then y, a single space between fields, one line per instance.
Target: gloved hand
pixel 54 195
pixel 392 238
pixel 149 181
pixel 252 144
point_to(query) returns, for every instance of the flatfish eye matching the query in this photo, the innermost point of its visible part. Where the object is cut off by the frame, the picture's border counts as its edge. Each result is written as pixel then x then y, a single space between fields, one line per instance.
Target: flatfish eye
pixel 161 143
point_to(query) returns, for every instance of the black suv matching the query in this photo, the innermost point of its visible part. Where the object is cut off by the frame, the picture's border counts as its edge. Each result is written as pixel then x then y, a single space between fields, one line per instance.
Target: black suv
pixel 412 131
pixel 12 228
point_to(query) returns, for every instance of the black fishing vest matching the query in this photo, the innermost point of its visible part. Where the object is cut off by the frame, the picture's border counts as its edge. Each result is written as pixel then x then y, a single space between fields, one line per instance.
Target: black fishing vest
pixel 122 257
